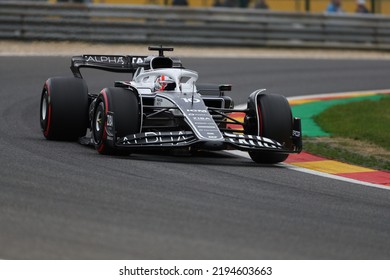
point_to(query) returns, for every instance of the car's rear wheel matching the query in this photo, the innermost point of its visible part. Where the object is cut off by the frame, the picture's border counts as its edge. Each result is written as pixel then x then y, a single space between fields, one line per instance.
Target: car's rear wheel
pixel 64 108
pixel 269 116
pixel 125 106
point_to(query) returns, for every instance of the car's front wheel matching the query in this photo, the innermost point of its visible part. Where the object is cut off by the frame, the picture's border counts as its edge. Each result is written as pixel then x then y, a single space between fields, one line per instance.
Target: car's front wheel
pixel 269 116
pixel 125 108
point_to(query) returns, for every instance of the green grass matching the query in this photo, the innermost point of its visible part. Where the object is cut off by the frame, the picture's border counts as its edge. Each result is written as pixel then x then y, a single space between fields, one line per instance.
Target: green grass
pixel 354 127
pixel 366 120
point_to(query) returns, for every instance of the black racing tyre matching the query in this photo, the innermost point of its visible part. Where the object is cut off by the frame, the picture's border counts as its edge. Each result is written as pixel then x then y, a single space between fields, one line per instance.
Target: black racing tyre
pixel 274 121
pixel 64 108
pixel 125 106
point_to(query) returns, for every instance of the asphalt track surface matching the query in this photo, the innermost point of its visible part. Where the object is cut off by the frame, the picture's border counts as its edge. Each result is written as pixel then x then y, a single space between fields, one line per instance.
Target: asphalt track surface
pixel 61 200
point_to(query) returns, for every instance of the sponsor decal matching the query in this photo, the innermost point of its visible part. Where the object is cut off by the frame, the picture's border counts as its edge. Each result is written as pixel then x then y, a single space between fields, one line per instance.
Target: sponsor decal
pixel 162 102
pixel 158 138
pixel 296 133
pixel 105 59
pixel 196 111
pixel 137 60
pixel 191 100
pixel 113 59
pixel 203 123
pixel 202 119
pixel 110 120
pixel 251 141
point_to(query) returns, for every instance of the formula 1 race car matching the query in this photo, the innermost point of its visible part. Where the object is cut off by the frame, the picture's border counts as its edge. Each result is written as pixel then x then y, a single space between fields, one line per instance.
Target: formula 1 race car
pixel 163 107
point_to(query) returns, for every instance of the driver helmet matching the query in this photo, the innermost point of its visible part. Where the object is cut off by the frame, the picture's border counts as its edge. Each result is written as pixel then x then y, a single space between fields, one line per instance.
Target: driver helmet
pixel 164 83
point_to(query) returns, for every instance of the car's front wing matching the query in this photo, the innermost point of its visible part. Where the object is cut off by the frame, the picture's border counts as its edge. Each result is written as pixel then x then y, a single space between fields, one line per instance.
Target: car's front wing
pixel 179 139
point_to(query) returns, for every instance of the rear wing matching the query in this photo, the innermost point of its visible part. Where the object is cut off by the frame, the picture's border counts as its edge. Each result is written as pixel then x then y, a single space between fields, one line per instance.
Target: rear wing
pixel 112 63
pixel 118 63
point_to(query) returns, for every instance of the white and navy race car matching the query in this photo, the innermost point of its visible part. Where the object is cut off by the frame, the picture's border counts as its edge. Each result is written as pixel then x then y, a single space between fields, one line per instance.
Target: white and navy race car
pixel 163 107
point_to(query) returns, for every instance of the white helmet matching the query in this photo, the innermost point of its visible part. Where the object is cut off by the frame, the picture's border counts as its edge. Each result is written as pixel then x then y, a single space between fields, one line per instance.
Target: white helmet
pixel 164 83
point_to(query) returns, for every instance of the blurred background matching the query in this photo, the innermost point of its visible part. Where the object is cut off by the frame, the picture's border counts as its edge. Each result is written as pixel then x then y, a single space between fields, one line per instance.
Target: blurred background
pixel 348 6
pixel 346 24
